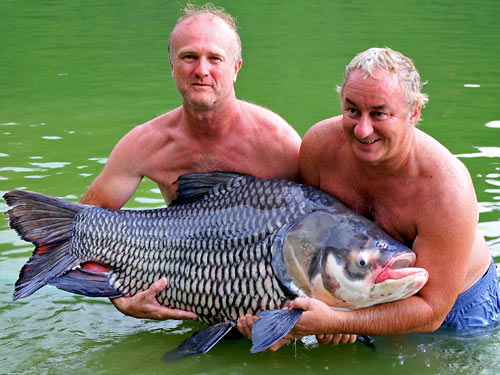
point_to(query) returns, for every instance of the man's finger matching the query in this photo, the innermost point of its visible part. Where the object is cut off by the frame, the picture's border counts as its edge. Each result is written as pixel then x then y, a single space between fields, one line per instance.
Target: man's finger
pixel 301 303
pixel 166 313
pixel 285 340
pixel 245 325
pixel 158 286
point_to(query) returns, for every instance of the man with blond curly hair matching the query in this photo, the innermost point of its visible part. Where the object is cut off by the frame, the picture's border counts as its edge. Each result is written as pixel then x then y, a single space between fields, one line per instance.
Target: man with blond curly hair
pixel 374 160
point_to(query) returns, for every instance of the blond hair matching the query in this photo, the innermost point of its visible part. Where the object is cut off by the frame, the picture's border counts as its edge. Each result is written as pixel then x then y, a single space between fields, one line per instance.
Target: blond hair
pixel 385 58
pixel 210 10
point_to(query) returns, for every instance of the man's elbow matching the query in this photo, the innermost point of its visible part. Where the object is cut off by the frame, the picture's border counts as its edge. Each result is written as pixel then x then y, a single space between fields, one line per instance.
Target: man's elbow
pixel 434 325
pixel 434 322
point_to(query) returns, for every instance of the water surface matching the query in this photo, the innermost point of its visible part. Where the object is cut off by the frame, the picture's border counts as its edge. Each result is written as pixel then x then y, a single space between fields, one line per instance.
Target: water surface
pixel 75 76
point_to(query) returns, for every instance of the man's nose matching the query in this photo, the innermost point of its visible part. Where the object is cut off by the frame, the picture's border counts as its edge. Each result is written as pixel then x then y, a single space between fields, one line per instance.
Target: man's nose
pixel 202 68
pixel 364 127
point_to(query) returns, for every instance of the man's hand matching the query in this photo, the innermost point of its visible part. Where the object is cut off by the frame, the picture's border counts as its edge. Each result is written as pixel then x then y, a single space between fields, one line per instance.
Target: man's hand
pixel 317 319
pixel 336 339
pixel 144 305
pixel 317 311
pixel 245 325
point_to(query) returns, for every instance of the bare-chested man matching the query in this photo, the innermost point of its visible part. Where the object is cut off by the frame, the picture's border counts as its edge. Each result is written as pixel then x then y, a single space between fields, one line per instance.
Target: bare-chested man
pixel 379 164
pixel 212 130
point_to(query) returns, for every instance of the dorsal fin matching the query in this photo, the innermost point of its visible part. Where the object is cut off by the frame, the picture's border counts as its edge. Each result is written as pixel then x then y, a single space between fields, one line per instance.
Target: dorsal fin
pixel 194 186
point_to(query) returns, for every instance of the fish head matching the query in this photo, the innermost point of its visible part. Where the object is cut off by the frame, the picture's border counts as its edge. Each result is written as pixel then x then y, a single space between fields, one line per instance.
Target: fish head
pixel 347 261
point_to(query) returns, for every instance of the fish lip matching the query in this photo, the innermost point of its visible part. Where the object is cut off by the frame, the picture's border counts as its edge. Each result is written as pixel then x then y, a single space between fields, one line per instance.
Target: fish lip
pixel 398 262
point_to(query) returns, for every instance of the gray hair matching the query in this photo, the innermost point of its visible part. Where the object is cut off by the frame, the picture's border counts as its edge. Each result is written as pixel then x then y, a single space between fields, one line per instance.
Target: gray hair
pixel 385 58
pixel 210 10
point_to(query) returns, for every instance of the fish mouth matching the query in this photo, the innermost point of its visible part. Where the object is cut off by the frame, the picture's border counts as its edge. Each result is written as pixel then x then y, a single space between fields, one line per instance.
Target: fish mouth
pixel 399 266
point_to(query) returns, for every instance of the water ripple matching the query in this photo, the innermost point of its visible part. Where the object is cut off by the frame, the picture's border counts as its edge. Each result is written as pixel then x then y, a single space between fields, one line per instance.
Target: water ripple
pixel 54 164
pixel 484 152
pixel 493 124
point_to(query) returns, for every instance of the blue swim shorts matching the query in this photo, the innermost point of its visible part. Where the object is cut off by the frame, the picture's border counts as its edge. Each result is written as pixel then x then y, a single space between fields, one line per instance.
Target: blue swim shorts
pixel 477 307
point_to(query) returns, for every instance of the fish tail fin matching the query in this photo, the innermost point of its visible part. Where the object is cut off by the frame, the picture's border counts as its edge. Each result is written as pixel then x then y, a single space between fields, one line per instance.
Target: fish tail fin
pixel 47 223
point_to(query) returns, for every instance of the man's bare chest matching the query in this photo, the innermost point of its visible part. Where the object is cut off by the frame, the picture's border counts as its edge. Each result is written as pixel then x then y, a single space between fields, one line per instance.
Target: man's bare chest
pixel 392 213
pixel 178 159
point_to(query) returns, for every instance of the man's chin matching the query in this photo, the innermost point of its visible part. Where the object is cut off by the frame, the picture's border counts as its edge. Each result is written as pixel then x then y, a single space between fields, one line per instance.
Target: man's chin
pixel 201 103
pixel 369 156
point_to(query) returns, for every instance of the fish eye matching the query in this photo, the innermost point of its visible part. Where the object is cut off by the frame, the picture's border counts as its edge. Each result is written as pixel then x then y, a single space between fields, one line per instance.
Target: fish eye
pixel 381 244
pixel 362 262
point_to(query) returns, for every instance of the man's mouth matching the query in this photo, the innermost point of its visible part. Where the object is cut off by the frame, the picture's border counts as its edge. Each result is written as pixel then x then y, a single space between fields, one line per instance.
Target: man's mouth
pixel 368 142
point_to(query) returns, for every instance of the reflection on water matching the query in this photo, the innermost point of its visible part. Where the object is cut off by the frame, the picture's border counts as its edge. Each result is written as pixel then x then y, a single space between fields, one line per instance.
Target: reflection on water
pixel 74 78
pixel 484 152
pixel 493 124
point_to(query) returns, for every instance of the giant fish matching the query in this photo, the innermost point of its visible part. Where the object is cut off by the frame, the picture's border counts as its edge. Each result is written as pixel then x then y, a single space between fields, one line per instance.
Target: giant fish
pixel 229 244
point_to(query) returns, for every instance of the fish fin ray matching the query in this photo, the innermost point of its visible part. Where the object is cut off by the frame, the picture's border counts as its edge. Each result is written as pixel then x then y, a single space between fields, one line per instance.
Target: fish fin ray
pixel 47 222
pixel 194 186
pixel 90 281
pixel 367 340
pixel 272 326
pixel 200 342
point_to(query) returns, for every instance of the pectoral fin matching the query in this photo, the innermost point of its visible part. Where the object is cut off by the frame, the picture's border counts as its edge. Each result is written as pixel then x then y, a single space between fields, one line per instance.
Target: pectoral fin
pixel 200 342
pixel 272 326
pixel 367 340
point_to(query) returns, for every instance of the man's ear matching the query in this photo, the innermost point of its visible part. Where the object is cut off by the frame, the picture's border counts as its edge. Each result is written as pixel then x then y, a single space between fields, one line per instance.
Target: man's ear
pixel 237 68
pixel 415 115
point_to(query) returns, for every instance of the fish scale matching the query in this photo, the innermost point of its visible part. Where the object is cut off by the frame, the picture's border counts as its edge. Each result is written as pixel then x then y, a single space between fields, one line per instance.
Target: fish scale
pixel 185 233
pixel 230 244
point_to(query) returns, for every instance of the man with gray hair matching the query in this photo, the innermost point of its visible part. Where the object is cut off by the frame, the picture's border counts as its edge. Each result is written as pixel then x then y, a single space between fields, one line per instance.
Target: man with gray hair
pixel 211 131
pixel 374 160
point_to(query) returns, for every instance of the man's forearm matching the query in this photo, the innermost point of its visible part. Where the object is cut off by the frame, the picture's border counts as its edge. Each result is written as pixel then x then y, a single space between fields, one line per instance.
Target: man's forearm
pixel 407 316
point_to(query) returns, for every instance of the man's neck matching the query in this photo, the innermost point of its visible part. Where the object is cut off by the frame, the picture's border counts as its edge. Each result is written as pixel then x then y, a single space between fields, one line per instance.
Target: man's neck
pixel 213 121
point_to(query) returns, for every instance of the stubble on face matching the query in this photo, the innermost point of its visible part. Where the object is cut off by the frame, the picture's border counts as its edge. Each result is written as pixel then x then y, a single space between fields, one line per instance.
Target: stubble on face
pixel 203 66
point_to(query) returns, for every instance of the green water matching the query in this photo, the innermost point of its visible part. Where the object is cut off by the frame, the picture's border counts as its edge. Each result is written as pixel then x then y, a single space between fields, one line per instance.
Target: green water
pixel 77 75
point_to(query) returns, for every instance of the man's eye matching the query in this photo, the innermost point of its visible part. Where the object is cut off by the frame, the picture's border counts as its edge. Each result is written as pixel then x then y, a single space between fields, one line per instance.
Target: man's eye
pixel 380 114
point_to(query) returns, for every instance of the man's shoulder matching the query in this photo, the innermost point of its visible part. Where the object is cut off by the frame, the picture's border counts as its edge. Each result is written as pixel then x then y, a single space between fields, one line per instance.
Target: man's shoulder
pixel 267 122
pixel 438 158
pixel 263 115
pixel 169 118
pixel 151 132
pixel 158 124
pixel 328 124
pixel 444 175
pixel 325 131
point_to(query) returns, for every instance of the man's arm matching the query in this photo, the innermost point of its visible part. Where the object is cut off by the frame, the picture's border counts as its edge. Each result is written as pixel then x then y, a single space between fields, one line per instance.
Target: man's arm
pixel 445 239
pixel 112 189
pixel 119 178
pixel 309 172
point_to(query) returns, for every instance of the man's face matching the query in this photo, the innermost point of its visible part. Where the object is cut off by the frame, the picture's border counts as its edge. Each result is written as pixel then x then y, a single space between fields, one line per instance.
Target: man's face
pixel 376 119
pixel 203 66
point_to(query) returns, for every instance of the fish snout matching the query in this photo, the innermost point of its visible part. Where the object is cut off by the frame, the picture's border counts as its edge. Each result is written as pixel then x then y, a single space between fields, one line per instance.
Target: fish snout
pixel 400 266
